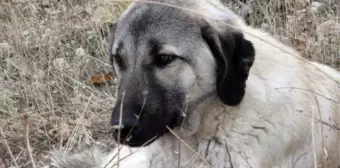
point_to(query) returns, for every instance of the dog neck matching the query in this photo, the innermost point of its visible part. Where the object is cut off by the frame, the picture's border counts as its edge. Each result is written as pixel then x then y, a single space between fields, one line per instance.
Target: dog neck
pixel 180 143
pixel 195 115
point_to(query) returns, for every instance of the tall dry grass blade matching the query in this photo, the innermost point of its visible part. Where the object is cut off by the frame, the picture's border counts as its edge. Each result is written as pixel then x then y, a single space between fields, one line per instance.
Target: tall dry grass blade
pixel 192 150
pixel 307 90
pixel 120 124
pixel 321 127
pixel 313 139
pixel 135 123
pixel 8 148
pixel 27 125
pixel 143 145
pixel 71 141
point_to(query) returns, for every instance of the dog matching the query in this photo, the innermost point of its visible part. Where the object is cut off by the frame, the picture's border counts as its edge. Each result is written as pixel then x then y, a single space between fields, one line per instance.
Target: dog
pixel 198 88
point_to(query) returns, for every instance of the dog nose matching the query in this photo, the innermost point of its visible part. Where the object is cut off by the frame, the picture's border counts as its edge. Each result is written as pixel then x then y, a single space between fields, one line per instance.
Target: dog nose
pixel 125 124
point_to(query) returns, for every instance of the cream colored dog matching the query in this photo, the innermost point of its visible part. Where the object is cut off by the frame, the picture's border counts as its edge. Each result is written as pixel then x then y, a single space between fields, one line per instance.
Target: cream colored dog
pixel 234 95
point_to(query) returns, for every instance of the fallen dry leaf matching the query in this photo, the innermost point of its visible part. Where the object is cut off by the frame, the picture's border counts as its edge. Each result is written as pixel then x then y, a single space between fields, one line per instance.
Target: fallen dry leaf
pixel 100 79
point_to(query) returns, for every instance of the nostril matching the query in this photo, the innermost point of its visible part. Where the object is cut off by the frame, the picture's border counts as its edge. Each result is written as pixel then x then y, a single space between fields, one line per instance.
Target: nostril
pixel 128 117
pixel 125 126
pixel 127 129
pixel 125 134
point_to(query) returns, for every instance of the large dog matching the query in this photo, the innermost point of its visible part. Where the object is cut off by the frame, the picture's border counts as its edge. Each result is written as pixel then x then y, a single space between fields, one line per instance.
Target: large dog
pixel 199 88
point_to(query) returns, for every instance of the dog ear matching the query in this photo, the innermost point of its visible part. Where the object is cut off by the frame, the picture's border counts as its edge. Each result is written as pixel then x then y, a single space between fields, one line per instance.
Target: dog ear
pixel 234 56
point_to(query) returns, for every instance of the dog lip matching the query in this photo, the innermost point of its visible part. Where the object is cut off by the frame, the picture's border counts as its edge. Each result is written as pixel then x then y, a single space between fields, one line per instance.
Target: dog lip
pixel 139 144
pixel 136 141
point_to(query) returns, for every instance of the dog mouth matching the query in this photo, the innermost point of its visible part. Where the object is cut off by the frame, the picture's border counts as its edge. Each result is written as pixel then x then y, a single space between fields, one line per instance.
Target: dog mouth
pixel 134 138
pixel 142 134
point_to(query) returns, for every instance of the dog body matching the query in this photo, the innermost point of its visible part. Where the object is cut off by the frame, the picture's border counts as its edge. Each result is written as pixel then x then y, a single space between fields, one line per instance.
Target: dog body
pixel 236 96
pixel 273 125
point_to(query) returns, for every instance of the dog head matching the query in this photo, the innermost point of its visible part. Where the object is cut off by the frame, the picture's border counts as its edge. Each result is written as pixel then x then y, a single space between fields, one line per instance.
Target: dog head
pixel 168 61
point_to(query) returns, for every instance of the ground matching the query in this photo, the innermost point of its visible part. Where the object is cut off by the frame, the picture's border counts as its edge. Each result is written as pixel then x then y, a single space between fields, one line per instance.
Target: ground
pixel 50 49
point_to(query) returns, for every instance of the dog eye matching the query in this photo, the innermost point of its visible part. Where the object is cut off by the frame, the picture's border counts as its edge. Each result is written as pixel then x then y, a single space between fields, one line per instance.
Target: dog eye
pixel 163 60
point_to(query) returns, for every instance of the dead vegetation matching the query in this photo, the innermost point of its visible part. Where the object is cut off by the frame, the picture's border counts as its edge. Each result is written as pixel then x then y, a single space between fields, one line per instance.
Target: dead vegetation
pixel 310 26
pixel 50 50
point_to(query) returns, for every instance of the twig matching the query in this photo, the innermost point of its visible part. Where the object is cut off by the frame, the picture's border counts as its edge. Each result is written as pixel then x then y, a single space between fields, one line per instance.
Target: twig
pixel 325 123
pixel 246 160
pixel 27 123
pixel 313 140
pixel 300 156
pixel 184 113
pixel 295 88
pixel 172 132
pixel 229 155
pixel 322 139
pixel 179 154
pixel 130 153
pixel 70 143
pixel 139 114
pixel 8 148
pixel 4 161
pixel 330 125
pixel 134 124
pixel 120 124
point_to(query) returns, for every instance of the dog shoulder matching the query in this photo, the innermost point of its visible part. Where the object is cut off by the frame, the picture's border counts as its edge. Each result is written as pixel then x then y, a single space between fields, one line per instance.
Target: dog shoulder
pixel 128 157
pixel 282 86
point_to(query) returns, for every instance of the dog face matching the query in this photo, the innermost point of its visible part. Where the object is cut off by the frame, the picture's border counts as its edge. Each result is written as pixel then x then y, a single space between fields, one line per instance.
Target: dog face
pixel 168 62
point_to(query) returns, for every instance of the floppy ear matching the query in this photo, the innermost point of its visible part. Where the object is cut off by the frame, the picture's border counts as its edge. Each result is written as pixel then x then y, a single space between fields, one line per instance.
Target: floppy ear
pixel 234 56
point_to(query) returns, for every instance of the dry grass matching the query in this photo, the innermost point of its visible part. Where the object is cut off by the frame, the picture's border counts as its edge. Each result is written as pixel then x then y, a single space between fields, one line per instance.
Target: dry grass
pixel 300 24
pixel 49 49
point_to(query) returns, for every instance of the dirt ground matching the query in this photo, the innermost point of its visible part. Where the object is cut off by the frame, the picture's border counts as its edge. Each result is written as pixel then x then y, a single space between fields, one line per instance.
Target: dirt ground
pixel 49 49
